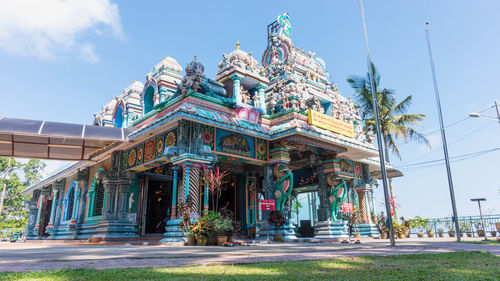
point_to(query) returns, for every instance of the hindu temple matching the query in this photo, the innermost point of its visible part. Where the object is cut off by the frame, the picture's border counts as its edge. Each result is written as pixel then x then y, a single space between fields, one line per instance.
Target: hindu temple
pixel 278 125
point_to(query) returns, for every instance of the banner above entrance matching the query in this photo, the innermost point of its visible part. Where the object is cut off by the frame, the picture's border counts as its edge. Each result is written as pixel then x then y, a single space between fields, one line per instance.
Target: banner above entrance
pixel 326 122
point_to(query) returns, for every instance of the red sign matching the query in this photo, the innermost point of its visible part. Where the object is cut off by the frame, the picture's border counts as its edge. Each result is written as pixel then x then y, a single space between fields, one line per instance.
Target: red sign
pixel 267 205
pixel 347 207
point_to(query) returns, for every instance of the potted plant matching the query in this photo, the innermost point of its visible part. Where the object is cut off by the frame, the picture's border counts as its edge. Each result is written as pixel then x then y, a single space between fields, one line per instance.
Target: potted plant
pixel 216 181
pixel 440 232
pixel 399 229
pixel 479 228
pixel 493 232
pixel 186 223
pixel 466 227
pixel 417 223
pixel 211 218
pixel 201 230
pixel 449 226
pixel 222 227
pixel 381 226
pixel 277 220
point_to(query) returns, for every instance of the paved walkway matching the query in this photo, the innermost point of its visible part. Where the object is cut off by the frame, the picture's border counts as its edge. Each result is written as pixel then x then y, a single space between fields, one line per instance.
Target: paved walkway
pixel 27 257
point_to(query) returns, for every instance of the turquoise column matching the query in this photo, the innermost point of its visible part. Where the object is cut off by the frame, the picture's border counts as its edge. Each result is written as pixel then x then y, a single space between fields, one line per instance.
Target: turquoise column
pixel 205 193
pixel 53 208
pixel 174 191
pixel 262 97
pixel 186 181
pixel 42 196
pixel 162 90
pixel 236 87
pixel 76 196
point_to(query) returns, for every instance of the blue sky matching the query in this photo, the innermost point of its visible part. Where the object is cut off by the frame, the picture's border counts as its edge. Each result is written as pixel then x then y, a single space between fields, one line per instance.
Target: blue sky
pixel 63 62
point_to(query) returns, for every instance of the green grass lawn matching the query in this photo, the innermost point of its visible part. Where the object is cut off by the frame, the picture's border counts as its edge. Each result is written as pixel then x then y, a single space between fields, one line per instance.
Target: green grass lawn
pixel 443 266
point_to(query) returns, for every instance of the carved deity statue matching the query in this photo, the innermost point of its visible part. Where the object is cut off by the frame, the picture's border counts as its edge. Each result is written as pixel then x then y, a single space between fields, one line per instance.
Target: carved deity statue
pixel 190 81
pixel 337 194
pixel 284 185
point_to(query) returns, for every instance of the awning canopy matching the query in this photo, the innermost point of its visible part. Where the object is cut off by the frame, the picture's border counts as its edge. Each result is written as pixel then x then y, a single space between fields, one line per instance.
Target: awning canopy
pixel 391 173
pixel 54 140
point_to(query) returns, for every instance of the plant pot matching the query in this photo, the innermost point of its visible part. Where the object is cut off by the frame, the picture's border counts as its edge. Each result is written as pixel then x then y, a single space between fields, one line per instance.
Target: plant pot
pixel 451 233
pixel 420 234
pixel 221 240
pixel 493 233
pixel 357 235
pixel 440 234
pixel 469 233
pixel 191 240
pixel 278 238
pixel 202 240
pixel 401 236
pixel 498 226
pixel 430 233
pixel 480 232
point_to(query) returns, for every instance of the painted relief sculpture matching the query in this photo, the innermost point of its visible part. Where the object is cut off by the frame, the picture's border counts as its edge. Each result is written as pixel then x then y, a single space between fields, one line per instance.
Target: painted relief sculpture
pixel 284 185
pixel 337 194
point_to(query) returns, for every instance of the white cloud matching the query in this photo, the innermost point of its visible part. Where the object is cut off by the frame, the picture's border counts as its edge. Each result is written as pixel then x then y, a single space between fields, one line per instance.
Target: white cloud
pixel 50 29
pixel 87 53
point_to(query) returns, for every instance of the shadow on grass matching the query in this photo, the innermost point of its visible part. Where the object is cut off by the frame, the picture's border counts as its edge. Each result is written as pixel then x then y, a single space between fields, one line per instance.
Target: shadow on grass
pixel 448 266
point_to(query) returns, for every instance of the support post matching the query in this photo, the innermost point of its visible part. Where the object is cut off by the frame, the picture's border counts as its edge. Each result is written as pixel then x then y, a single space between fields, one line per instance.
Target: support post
pixel 236 87
pixel 173 213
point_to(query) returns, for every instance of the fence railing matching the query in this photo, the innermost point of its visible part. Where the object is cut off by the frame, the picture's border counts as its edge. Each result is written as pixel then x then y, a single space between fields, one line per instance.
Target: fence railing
pixel 473 222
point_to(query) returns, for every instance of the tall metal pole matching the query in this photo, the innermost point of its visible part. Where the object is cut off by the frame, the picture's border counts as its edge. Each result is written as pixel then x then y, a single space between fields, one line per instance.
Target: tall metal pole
pixel 379 133
pixel 443 135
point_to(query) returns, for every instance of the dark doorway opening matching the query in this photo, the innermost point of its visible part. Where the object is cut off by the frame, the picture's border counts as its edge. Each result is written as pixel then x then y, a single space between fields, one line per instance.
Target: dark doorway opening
pixel 44 217
pixel 227 197
pixel 159 199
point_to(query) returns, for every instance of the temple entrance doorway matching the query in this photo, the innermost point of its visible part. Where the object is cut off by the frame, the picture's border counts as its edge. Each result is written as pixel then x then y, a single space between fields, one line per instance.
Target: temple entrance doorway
pixel 227 197
pixel 158 204
pixel 44 217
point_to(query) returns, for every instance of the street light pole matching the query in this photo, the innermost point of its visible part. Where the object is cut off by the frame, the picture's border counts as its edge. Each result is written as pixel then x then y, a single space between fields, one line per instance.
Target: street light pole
pixel 443 135
pixel 481 214
pixel 379 133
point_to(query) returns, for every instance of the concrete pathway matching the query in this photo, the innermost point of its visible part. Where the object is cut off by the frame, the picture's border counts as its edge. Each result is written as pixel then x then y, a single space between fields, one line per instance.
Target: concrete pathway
pixel 28 257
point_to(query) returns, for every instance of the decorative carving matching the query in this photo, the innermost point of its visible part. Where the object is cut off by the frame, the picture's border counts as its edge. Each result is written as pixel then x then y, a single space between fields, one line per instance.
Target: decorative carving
pixel 235 144
pixel 284 185
pixel 338 191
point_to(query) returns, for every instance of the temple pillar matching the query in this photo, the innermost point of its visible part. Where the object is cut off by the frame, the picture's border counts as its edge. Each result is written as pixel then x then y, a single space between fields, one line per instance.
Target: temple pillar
pixel 40 206
pixel 82 176
pixel 55 193
pixel 366 226
pixel 362 205
pixel 236 87
pixel 262 97
pixel 76 195
pixel 173 213
pixel 32 214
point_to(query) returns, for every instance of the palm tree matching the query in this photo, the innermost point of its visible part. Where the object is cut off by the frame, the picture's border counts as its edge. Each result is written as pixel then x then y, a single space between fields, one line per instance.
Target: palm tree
pixel 394 121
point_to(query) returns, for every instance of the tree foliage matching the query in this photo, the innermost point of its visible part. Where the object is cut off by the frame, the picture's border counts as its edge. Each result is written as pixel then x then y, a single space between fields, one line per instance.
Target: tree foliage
pixel 395 122
pixel 16 179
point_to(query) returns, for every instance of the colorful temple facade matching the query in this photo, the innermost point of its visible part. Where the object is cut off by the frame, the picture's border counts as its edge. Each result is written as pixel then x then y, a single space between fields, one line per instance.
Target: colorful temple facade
pixel 280 128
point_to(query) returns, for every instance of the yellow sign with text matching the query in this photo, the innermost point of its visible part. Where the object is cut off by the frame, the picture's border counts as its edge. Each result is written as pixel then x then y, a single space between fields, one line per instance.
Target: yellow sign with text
pixel 329 123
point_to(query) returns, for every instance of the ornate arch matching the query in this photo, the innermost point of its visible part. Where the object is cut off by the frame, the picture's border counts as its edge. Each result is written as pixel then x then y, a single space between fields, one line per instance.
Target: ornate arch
pixel 120 110
pixel 96 205
pixel 148 95
pixel 69 201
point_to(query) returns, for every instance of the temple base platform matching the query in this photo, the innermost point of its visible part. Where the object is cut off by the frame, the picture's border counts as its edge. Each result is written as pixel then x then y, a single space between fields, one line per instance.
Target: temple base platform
pixel 331 229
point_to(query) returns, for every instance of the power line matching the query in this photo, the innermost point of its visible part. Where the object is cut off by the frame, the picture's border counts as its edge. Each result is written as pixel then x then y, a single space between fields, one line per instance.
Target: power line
pixel 447 126
pixel 449 144
pixel 455 158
